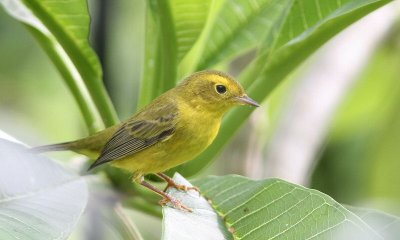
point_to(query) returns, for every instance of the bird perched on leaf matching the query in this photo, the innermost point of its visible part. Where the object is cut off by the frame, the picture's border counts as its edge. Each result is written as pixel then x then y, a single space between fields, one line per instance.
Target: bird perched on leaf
pixel 171 130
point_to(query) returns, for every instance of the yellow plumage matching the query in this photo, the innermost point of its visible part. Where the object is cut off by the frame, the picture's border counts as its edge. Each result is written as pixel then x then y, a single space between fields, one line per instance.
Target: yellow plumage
pixel 172 129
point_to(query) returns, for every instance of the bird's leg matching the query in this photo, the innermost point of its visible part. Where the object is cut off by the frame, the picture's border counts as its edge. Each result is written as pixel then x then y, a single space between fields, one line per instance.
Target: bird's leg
pixel 172 183
pixel 166 197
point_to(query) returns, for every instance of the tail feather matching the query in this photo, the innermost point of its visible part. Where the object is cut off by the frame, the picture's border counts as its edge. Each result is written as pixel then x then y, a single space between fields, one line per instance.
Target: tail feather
pixel 52 147
pixel 90 146
pixel 63 147
pixel 82 146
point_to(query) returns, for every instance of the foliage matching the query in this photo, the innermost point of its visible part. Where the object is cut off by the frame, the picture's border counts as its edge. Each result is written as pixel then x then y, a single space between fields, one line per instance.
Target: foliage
pixel 269 209
pixel 39 199
pixel 181 37
pixel 62 29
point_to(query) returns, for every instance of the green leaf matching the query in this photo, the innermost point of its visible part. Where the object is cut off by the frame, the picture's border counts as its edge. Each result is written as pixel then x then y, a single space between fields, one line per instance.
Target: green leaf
pixel 189 20
pixel 239 26
pixel 62 29
pixel 275 209
pixel 268 209
pixel 279 56
pixel 38 198
pixel 388 226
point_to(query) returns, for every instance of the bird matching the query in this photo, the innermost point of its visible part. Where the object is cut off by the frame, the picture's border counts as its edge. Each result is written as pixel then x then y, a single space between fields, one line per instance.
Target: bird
pixel 172 129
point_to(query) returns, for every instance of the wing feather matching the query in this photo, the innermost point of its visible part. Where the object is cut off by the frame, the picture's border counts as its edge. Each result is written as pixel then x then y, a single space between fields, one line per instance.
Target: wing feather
pixel 140 132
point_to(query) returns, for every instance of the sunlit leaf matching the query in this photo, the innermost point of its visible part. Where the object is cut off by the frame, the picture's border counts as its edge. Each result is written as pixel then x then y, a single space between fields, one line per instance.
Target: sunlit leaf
pixel 240 25
pixel 189 20
pixel 275 209
pixel 268 209
pixel 38 198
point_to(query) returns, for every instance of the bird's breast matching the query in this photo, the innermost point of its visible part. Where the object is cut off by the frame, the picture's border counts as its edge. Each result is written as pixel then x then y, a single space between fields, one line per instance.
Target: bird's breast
pixel 194 133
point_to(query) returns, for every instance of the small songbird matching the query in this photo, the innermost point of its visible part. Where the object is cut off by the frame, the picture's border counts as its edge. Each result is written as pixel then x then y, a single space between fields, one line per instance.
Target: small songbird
pixel 171 130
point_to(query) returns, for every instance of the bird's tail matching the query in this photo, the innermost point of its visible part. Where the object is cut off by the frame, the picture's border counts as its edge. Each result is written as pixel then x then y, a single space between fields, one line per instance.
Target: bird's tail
pixel 54 147
pixel 90 146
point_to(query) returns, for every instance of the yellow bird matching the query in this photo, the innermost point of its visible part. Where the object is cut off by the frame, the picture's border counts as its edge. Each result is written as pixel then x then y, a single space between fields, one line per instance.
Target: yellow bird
pixel 171 130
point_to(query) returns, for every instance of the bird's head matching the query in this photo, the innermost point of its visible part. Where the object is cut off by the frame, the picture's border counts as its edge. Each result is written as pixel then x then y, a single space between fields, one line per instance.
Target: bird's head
pixel 214 90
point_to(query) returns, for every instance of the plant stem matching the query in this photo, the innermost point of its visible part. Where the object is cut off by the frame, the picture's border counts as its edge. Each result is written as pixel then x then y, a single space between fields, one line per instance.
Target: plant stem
pixel 86 104
pixel 160 63
pixel 169 55
pixel 81 70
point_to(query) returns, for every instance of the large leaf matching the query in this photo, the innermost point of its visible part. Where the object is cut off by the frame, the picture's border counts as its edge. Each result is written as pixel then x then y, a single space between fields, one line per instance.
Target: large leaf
pixel 38 198
pixel 275 209
pixel 239 26
pixel 266 209
pixel 280 55
pixel 62 29
pixel 189 20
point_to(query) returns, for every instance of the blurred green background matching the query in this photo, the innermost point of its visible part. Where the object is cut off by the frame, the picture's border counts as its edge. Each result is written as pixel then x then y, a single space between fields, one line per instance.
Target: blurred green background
pixel 357 156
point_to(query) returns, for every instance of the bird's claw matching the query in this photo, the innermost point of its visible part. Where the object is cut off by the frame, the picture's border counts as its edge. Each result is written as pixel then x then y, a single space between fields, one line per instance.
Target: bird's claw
pixel 182 187
pixel 175 203
pixel 185 188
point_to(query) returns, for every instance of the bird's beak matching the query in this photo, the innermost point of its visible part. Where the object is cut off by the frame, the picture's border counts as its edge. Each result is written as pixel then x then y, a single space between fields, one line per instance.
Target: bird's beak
pixel 246 100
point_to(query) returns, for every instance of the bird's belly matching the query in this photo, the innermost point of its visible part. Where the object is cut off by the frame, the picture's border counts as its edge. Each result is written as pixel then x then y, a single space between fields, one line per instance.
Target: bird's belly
pixel 183 146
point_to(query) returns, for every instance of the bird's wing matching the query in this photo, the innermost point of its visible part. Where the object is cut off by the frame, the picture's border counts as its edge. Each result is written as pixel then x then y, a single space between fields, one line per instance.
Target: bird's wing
pixel 150 126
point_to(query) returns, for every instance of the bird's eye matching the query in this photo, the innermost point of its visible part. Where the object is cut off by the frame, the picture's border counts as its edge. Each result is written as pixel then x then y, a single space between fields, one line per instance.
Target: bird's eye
pixel 221 89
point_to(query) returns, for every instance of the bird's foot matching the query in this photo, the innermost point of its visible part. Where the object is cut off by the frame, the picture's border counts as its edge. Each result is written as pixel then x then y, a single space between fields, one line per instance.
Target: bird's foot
pixel 172 183
pixel 183 187
pixel 175 203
